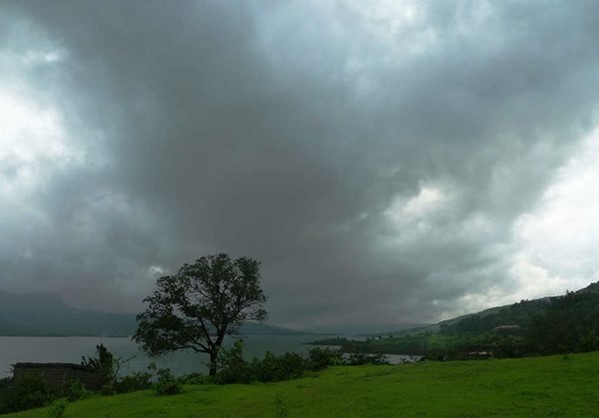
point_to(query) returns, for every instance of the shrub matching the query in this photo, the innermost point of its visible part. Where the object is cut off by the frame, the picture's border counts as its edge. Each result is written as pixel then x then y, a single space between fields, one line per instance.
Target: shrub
pixel 27 393
pixel 274 368
pixel 108 390
pixel 293 365
pixel 320 358
pixel 104 363
pixel 358 359
pixel 75 391
pixel 133 382
pixel 57 408
pixel 195 379
pixel 167 383
pixel 232 367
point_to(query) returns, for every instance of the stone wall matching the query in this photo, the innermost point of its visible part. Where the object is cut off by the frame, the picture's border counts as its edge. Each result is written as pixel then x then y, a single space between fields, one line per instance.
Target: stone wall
pixel 57 375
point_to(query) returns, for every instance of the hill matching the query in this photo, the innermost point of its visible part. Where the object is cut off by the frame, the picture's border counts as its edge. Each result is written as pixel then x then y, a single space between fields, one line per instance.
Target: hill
pixel 253 328
pixel 45 314
pixel 521 314
pixel 560 324
pixel 361 329
pixel 542 386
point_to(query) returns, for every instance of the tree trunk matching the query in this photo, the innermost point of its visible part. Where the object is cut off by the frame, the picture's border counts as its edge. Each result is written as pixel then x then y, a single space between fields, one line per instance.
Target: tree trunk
pixel 213 357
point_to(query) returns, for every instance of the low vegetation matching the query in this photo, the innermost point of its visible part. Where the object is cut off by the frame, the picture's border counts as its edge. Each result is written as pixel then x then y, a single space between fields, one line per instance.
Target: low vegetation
pixel 233 368
pixel 559 325
pixel 542 386
pixel 558 385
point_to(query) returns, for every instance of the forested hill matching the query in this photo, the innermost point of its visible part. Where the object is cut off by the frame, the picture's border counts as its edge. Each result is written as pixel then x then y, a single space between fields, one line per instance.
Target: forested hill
pixel 517 315
pixel 522 314
pixel 45 314
pixel 560 324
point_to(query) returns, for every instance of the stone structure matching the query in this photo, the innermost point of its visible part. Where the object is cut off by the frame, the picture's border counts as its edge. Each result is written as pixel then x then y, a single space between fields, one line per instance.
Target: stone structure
pixel 58 375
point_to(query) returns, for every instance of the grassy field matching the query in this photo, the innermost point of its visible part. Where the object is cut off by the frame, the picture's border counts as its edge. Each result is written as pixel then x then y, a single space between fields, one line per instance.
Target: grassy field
pixel 545 386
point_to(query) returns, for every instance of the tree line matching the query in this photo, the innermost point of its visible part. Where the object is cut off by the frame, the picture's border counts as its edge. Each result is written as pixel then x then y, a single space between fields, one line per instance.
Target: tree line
pixel 557 325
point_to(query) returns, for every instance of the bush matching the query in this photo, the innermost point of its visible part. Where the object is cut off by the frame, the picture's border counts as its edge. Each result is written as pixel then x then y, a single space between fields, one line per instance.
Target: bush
pixel 108 390
pixel 167 383
pixel 232 367
pixel 133 382
pixel 358 359
pixel 510 346
pixel 196 379
pixel 320 358
pixel 75 391
pixel 27 393
pixel 274 368
pixel 104 363
pixel 57 408
pixel 293 365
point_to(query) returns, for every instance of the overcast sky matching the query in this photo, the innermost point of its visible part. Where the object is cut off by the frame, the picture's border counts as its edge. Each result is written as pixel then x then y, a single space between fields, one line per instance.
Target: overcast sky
pixel 388 162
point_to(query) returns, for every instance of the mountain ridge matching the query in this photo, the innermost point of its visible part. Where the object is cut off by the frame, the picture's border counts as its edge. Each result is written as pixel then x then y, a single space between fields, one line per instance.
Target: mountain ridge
pixel 46 314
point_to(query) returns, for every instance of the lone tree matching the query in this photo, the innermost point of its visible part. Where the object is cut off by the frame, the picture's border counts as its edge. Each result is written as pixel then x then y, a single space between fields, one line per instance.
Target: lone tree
pixel 198 306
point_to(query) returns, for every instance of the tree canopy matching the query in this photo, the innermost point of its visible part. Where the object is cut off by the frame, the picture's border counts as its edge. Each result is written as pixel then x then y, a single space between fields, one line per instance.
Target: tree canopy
pixel 197 307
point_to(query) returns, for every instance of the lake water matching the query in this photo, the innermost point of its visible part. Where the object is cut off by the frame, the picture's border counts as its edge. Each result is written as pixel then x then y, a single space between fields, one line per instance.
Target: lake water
pixel 71 349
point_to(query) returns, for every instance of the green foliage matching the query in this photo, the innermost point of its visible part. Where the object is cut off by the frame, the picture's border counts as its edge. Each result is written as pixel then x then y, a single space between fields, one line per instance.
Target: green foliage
pixel 32 392
pixel 167 383
pixel 281 409
pixel 520 314
pixel 527 387
pixel 27 393
pixel 58 407
pixel 545 326
pixel 320 358
pixel 232 367
pixel 274 368
pixel 108 390
pixel 570 324
pixel 196 379
pixel 359 359
pixel 75 391
pixel 511 346
pixel 133 382
pixel 104 363
pixel 198 306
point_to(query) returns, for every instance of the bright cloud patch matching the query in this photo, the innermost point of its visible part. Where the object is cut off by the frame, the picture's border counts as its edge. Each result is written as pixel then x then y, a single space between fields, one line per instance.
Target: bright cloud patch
pixel 405 210
pixel 560 237
pixel 32 142
pixel 43 57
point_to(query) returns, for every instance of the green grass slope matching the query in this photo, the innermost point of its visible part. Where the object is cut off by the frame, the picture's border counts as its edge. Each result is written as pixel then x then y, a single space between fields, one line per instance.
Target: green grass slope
pixel 544 386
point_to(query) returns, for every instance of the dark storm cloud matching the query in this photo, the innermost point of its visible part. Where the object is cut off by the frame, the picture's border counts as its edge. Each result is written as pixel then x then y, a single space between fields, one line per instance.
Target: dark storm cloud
pixel 375 169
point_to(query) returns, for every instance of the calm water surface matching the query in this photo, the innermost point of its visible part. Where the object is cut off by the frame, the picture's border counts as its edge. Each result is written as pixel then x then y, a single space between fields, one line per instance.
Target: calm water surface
pixel 71 349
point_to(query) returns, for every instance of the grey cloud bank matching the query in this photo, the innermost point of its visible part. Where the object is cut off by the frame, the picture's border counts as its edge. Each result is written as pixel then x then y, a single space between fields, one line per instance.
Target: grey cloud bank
pixel 377 160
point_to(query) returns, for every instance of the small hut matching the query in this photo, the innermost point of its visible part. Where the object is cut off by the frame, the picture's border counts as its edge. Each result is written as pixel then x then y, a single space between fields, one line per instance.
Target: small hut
pixel 57 375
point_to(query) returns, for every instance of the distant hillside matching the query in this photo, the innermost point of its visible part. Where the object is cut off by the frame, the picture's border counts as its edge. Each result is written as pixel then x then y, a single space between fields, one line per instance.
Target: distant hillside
pixel 521 313
pixel 45 314
pixel 559 324
pixel 518 313
pixel 362 329
pixel 252 328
